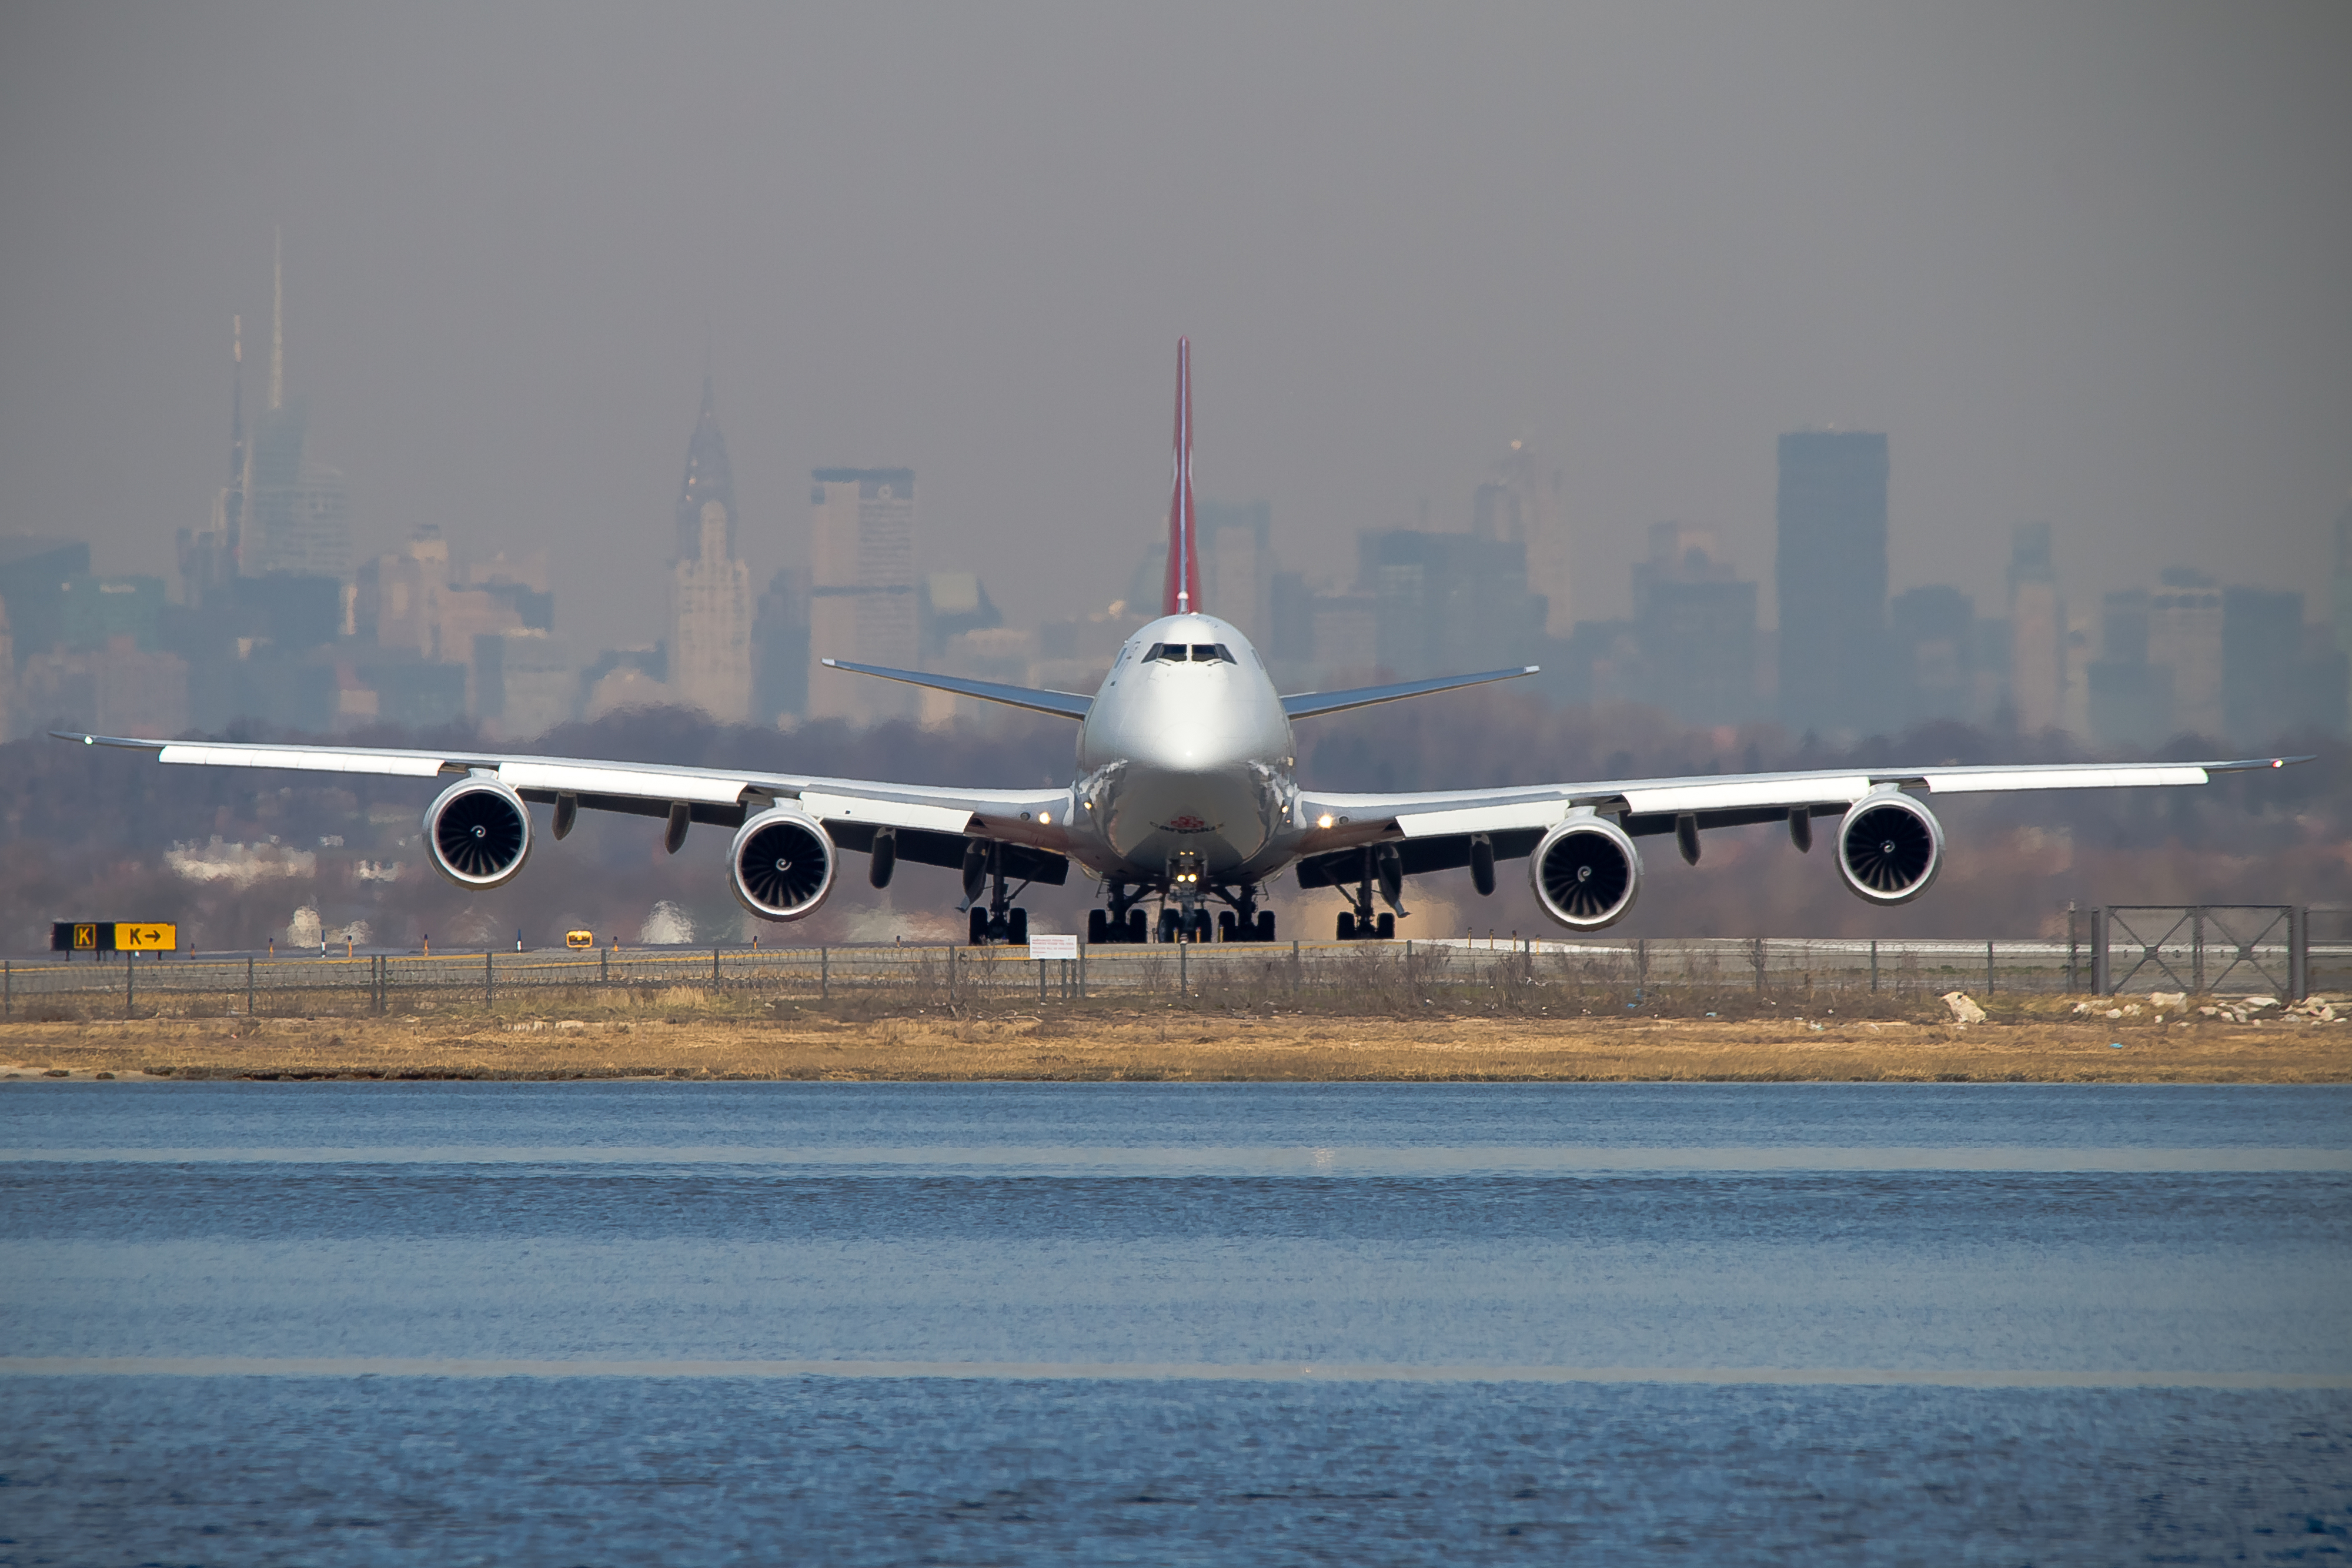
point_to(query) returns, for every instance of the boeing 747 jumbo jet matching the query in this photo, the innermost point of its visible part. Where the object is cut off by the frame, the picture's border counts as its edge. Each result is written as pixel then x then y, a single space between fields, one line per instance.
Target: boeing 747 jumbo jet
pixel 1184 797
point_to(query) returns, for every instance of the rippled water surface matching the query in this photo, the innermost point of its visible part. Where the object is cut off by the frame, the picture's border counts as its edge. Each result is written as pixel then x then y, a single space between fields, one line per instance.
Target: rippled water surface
pixel 624 1322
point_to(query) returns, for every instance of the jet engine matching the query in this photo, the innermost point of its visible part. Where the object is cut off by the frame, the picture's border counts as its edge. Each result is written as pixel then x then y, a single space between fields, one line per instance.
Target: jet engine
pixel 782 864
pixel 1889 848
pixel 478 832
pixel 1586 872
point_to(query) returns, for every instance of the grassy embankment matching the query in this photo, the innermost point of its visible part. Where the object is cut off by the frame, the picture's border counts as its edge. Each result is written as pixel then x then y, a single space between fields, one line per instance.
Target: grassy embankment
pixel 682 1033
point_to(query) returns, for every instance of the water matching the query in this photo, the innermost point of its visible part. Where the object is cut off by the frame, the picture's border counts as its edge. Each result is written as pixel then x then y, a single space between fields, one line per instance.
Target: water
pixel 260 1324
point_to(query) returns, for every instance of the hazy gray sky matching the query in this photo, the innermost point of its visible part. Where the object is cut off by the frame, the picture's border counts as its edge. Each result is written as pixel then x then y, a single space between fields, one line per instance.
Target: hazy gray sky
pixel 2090 263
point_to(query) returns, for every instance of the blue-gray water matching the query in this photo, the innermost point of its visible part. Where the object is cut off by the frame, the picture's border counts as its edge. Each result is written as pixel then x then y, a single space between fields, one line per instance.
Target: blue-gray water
pixel 982 1324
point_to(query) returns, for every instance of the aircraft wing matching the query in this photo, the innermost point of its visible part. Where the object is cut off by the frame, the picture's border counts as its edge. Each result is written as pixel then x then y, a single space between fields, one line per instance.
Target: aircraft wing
pixel 1307 705
pixel 1064 705
pixel 932 825
pixel 1434 829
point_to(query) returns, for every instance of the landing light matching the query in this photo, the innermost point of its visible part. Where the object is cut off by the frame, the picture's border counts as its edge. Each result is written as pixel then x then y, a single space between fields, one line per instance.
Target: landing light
pixel 1045 819
pixel 1324 821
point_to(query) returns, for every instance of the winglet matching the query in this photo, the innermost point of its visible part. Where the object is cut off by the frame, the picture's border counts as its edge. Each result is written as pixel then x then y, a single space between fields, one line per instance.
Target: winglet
pixel 1183 596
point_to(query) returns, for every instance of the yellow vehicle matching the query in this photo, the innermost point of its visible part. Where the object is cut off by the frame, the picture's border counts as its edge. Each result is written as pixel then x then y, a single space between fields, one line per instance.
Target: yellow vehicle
pixel 580 939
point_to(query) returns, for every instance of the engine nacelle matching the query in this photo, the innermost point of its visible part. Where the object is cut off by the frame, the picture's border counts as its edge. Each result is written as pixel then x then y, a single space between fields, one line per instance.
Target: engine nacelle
pixel 478 832
pixel 782 864
pixel 1586 872
pixel 1889 848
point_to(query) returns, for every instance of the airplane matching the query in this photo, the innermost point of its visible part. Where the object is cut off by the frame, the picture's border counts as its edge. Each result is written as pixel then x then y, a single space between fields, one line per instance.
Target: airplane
pixel 1186 795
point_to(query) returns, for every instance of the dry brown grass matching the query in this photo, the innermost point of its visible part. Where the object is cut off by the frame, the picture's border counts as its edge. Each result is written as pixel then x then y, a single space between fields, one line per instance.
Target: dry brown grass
pixel 686 1035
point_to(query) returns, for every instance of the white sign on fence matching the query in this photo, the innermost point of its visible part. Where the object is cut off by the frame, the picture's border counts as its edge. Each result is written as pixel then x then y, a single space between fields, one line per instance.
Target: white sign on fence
pixel 1043 947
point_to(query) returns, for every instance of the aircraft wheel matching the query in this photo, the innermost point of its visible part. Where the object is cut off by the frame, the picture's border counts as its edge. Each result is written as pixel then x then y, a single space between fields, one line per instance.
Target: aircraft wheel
pixel 1017 928
pixel 1388 927
pixel 1265 925
pixel 979 927
pixel 1225 926
pixel 1098 927
pixel 1347 928
pixel 1199 926
pixel 1136 925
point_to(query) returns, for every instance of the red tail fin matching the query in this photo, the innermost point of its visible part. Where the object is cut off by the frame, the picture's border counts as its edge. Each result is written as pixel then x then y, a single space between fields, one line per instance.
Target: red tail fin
pixel 1183 595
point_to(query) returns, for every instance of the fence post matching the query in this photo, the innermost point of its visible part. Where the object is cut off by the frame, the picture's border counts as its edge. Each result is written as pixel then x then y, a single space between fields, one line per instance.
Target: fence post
pixel 2196 951
pixel 1874 964
pixel 1989 980
pixel 8 988
pixel 1294 969
pixel 1082 946
pixel 1183 957
pixel 129 982
pixel 2099 965
pixel 951 976
pixel 1041 982
pixel 2073 948
pixel 825 974
pixel 489 980
pixel 714 966
pixel 2298 951
pixel 249 985
pixel 1759 955
pixel 603 964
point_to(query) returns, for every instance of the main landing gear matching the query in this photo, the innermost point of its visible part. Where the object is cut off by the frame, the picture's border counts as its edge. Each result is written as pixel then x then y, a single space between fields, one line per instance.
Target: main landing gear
pixel 1124 922
pixel 1384 870
pixel 996 922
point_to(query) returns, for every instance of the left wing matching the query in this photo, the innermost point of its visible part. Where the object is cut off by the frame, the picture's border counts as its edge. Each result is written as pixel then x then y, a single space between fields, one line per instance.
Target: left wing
pixel 932 825
pixel 1434 830
pixel 1307 705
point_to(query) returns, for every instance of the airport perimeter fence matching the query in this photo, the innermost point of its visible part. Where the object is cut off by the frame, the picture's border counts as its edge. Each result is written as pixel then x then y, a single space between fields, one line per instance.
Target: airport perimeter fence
pixel 2205 950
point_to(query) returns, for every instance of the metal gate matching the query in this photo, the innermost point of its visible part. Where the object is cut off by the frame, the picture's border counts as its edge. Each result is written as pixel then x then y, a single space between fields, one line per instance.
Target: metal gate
pixel 2201 948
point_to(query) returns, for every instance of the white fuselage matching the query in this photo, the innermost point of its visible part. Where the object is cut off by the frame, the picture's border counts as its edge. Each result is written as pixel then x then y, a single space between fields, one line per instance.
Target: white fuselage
pixel 1186 763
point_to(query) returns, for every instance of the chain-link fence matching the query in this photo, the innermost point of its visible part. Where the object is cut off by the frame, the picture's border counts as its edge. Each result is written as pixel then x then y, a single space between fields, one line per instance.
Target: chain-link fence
pixel 2207 953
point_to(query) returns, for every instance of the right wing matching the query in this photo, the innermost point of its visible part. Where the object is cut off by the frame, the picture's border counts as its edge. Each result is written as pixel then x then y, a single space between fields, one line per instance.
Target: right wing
pixel 933 826
pixel 1064 705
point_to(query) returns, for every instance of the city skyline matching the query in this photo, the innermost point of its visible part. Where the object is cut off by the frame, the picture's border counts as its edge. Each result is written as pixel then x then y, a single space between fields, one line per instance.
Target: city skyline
pixel 2109 305
pixel 428 633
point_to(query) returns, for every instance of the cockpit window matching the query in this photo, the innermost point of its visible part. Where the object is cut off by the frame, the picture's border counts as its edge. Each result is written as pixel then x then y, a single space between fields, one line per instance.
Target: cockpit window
pixel 1200 652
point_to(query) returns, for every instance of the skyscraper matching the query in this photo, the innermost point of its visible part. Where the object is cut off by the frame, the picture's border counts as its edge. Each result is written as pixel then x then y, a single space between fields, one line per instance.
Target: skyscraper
pixel 710 591
pixel 2037 632
pixel 297 512
pixel 1931 638
pixel 780 648
pixel 1696 625
pixel 1522 506
pixel 708 477
pixel 2184 635
pixel 1238 563
pixel 208 559
pixel 862 590
pixel 1831 573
